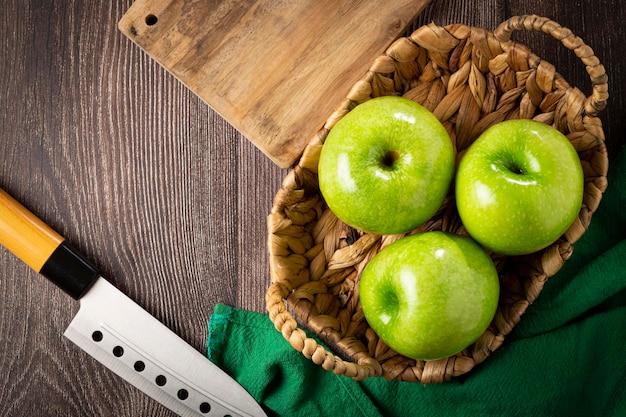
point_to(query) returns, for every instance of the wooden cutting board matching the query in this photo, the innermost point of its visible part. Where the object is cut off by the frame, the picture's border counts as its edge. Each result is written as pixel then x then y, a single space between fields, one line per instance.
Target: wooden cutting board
pixel 273 69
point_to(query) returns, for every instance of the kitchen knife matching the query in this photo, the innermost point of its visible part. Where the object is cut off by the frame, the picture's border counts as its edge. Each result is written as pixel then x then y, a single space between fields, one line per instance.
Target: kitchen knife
pixel 119 333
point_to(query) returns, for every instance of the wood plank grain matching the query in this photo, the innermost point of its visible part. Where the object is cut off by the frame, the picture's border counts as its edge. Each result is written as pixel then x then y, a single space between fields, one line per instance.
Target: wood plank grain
pixel 274 69
pixel 121 188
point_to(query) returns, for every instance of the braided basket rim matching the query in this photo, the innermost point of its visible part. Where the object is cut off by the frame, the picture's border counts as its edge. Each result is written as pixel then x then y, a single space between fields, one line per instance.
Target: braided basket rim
pixel 298 212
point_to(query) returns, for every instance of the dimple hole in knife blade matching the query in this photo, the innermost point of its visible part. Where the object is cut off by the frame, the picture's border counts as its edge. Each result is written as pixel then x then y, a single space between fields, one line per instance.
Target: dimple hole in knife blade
pixel 205 408
pixel 118 351
pixel 161 380
pixel 139 366
pixel 182 394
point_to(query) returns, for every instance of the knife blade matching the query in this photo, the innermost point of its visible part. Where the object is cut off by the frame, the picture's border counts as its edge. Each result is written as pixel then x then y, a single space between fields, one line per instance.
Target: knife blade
pixel 117 332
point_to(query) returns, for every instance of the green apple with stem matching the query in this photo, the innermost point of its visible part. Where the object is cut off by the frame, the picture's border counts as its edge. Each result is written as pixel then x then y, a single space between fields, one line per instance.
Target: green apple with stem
pixel 430 295
pixel 386 166
pixel 519 187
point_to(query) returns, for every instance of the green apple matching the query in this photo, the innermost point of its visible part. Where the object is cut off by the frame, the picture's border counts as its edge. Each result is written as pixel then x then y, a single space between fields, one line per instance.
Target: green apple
pixel 386 166
pixel 519 187
pixel 430 295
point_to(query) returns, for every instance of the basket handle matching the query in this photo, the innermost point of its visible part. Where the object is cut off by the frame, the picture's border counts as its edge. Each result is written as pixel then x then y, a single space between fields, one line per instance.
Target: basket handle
pixel 596 102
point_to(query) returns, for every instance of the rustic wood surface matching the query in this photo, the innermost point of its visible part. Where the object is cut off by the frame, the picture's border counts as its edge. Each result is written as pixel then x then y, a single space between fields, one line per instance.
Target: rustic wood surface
pixel 166 197
pixel 274 69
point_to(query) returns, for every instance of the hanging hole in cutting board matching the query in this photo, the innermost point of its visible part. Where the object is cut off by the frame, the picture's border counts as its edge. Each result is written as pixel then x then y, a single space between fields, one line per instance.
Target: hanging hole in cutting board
pixel 151 20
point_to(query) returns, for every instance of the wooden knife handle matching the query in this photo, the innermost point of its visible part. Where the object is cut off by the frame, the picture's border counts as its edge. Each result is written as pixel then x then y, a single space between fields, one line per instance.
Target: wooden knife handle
pixel 24 234
pixel 43 249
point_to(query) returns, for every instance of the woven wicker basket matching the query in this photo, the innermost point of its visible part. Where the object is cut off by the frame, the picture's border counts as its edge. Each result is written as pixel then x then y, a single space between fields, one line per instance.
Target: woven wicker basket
pixel 469 78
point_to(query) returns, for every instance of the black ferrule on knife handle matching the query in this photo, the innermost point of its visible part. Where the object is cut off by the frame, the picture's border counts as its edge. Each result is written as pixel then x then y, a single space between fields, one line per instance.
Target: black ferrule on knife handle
pixel 70 271
pixel 43 249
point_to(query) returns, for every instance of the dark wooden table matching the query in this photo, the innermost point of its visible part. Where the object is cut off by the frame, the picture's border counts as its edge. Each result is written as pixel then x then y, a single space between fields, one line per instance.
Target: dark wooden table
pixel 163 194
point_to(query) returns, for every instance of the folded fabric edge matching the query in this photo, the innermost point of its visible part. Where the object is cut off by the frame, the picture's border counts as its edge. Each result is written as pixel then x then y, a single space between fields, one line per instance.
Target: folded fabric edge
pixel 218 333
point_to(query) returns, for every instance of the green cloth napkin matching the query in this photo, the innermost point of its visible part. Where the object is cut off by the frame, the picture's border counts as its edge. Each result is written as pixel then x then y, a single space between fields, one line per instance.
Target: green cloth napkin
pixel 567 356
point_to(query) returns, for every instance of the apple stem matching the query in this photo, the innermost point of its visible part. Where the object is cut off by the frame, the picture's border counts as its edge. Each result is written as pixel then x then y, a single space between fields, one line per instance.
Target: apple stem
pixel 516 170
pixel 390 158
